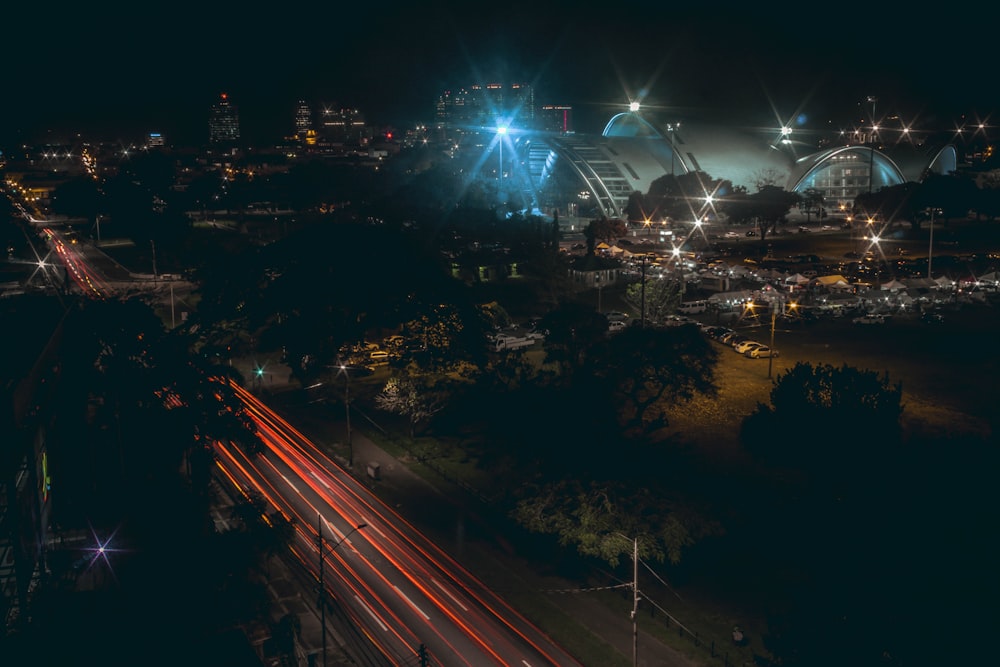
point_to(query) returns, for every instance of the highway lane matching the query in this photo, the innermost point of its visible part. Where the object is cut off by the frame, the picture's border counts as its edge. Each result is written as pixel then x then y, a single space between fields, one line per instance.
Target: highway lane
pixel 403 589
pixel 79 268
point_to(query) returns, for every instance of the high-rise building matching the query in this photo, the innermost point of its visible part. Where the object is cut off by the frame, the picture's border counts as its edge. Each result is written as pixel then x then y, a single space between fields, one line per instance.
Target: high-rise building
pixel 344 126
pixel 557 118
pixel 483 106
pixel 303 120
pixel 223 122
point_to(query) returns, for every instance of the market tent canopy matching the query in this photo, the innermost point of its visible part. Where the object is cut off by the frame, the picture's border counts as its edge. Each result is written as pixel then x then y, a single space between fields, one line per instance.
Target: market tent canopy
pixel 991 277
pixel 828 281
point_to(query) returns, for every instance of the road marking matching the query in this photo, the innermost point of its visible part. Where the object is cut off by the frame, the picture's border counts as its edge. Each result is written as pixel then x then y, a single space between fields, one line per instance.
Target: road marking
pixel 410 602
pixel 289 482
pixel 448 593
pixel 372 614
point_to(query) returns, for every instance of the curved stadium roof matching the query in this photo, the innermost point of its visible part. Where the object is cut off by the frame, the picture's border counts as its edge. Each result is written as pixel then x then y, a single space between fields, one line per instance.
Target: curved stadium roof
pixel 631 153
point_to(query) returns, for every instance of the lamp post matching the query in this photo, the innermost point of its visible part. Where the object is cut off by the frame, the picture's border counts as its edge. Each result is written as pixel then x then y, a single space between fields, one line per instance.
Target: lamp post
pixel 774 319
pixel 347 409
pixel 501 133
pixel 930 248
pixel 871 139
pixel 642 320
pixel 676 252
pixel 322 588
pixel 670 133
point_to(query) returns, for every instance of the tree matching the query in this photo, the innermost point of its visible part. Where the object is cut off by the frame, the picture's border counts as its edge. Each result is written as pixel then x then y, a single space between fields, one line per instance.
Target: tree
pixel 80 196
pixel 816 420
pixel 650 371
pixel 655 298
pixel 684 196
pixel 600 517
pixel 766 207
pixel 412 397
pixel 767 177
pixel 605 229
pixel 573 329
pixel 812 202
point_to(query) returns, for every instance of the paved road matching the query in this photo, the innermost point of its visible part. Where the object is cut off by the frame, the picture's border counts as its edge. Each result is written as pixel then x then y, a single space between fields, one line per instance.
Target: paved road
pixel 449 516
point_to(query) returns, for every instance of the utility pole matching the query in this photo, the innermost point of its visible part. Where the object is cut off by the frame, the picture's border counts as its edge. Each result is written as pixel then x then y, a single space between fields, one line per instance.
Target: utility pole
pixel 643 310
pixel 774 317
pixel 152 244
pixel 347 408
pixel 871 159
pixel 930 248
pixel 635 602
pixel 322 588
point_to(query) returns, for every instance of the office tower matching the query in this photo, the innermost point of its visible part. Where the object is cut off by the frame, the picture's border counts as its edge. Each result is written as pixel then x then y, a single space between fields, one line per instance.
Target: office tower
pixel 223 122
pixel 303 119
pixel 344 126
pixel 557 118
pixel 482 106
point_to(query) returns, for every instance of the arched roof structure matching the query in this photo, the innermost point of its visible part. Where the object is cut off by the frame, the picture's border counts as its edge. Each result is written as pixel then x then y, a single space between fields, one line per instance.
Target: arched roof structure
pixel 631 153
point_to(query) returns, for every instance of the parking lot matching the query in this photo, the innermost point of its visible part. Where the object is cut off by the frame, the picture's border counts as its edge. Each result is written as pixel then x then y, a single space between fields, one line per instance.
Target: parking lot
pixel 946 368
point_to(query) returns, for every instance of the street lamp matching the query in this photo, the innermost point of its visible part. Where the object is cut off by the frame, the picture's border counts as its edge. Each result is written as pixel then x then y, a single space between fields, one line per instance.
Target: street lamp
pixel 774 316
pixel 676 252
pixel 501 133
pixel 347 409
pixel 322 588
pixel 871 160
pixel 930 248
pixel 670 133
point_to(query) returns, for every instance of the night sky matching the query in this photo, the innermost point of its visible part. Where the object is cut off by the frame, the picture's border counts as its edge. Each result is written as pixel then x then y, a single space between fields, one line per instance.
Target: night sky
pixel 158 66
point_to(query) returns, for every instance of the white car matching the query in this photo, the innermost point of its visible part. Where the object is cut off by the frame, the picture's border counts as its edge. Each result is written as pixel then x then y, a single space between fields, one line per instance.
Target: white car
pixel 747 345
pixel 614 326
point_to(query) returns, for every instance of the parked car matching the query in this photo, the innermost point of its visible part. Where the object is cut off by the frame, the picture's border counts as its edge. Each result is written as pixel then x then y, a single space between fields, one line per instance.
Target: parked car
pixel 761 352
pixel 736 339
pixel 869 318
pixel 746 345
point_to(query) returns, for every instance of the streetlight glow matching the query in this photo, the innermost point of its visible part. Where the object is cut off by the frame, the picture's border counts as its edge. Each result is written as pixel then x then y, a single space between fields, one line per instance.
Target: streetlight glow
pixel 501 133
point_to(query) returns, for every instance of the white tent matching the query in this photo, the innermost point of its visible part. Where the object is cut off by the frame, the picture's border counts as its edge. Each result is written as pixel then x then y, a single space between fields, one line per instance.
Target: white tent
pixel 797 279
pixel 893 285
pixel 920 283
pixel 739 271
pixel 991 277
pixel 944 281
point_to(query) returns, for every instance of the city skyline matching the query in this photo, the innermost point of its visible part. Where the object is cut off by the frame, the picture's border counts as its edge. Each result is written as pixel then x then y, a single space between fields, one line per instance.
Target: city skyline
pixel 88 73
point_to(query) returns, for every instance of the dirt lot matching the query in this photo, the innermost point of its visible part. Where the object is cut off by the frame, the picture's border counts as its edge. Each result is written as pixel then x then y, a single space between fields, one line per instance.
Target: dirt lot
pixel 947 373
